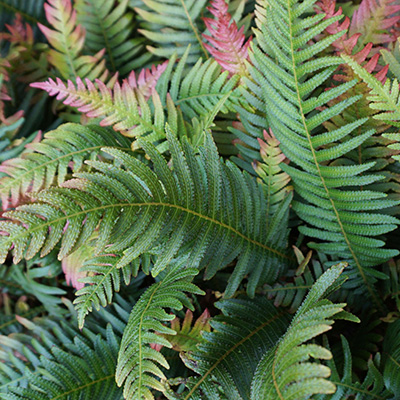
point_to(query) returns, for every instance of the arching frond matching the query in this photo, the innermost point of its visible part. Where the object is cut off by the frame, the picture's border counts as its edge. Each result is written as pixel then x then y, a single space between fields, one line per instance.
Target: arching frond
pixel 137 209
pixel 286 370
pixel 138 363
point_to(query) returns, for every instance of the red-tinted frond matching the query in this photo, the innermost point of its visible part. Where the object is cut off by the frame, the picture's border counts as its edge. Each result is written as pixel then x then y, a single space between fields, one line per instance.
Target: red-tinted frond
pixel 119 106
pixel 18 32
pixel 147 79
pixel 374 19
pixel 227 42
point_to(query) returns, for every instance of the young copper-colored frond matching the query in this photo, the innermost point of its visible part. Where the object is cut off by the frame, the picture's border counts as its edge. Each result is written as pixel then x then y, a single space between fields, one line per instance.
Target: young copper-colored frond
pixel 227 42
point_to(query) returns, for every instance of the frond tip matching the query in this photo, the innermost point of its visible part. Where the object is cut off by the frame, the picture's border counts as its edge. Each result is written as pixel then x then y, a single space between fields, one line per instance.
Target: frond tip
pixel 137 365
pixel 228 44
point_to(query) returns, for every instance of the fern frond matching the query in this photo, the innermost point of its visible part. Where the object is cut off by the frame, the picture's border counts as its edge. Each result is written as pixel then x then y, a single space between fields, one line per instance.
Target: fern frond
pixel 138 363
pixel 67 39
pixel 31 10
pixel 101 279
pixel 275 181
pixel 155 211
pixel 124 107
pixel 391 358
pixel 187 337
pixel 59 362
pixel 373 20
pixel 339 218
pixel 110 28
pixel 285 371
pixel 371 387
pixel 172 25
pixel 228 45
pixel 198 91
pixel 48 161
pixel 384 97
pixel 230 353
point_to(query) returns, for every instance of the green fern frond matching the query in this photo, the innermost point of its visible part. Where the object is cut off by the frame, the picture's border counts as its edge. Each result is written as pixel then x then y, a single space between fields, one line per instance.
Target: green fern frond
pixel 103 279
pixel 371 387
pixel 67 39
pixel 138 210
pixel 137 365
pixel 340 219
pixel 172 25
pixel 110 28
pixel 384 97
pixel 198 90
pixel 59 362
pixel 230 353
pixel 285 371
pixel 48 161
pixel 391 358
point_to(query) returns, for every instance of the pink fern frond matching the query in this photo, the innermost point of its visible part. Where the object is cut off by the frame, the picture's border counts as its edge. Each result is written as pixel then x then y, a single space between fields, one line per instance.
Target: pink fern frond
pixel 373 20
pixel 18 32
pixel 227 42
pixel 147 79
pixel 119 106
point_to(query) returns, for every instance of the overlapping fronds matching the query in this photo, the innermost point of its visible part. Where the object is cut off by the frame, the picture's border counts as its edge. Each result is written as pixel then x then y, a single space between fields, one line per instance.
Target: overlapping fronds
pixel 227 42
pixel 110 28
pixel 230 353
pixel 61 363
pixel 344 226
pixel 374 20
pixel 128 110
pixel 139 210
pixel 384 97
pixel 47 162
pixel 67 39
pixel 138 363
pixel 212 91
pixel 286 370
pixel 371 387
pixel 171 25
pixel 122 107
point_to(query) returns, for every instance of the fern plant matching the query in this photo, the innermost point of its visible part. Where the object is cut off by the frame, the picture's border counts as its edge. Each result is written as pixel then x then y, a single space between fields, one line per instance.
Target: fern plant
pixel 199 199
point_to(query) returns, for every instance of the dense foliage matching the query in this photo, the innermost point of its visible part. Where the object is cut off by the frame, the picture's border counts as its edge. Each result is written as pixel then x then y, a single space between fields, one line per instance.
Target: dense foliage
pixel 199 200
